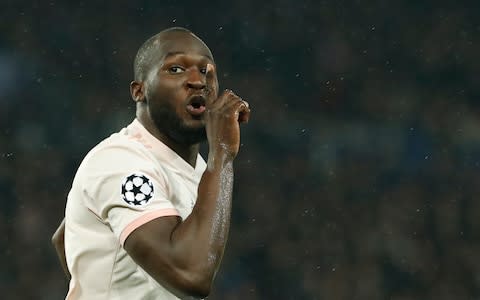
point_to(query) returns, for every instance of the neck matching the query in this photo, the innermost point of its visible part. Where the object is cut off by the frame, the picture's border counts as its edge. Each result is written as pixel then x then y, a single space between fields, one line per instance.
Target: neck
pixel 189 153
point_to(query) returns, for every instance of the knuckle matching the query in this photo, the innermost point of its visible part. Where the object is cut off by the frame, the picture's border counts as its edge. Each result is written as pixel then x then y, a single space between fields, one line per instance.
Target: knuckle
pixel 230 94
pixel 243 103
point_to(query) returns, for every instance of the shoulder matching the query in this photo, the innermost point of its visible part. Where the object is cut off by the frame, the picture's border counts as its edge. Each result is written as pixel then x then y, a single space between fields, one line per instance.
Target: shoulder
pixel 118 151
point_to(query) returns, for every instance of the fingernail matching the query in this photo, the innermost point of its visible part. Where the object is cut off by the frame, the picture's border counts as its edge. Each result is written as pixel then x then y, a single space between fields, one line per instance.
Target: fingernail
pixel 209 68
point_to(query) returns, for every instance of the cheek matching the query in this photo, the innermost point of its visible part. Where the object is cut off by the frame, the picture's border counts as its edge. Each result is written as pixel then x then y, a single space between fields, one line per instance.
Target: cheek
pixel 162 90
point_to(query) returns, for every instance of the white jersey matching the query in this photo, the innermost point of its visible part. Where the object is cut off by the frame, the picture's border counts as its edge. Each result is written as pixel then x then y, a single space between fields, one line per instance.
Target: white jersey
pixel 124 182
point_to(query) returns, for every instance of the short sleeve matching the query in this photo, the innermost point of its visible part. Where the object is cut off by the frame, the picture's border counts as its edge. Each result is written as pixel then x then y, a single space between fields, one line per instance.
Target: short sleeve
pixel 125 187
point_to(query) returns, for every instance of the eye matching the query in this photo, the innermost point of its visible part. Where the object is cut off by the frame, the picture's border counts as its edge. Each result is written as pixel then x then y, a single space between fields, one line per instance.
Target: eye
pixel 176 70
pixel 203 70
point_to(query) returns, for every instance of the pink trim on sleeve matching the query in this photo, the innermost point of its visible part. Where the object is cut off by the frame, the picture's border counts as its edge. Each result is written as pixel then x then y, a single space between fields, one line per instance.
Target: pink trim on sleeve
pixel 144 219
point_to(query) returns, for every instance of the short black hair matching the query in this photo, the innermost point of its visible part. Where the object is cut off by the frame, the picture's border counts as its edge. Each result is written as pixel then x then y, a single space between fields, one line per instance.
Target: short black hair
pixel 143 59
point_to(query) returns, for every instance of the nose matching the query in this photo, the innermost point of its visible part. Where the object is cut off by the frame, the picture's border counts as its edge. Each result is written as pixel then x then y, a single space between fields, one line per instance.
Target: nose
pixel 196 80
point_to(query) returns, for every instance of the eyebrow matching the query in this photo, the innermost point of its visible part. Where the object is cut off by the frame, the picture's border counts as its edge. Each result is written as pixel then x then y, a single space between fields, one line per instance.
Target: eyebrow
pixel 169 54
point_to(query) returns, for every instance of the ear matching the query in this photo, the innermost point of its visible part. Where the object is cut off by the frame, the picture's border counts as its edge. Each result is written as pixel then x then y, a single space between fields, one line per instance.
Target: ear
pixel 137 91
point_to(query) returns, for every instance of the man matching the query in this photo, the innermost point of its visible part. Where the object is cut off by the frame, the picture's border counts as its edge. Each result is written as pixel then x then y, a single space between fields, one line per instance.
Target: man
pixel 147 217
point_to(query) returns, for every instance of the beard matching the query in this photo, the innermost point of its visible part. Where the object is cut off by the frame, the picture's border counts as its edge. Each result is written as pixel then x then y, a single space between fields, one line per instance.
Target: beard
pixel 168 122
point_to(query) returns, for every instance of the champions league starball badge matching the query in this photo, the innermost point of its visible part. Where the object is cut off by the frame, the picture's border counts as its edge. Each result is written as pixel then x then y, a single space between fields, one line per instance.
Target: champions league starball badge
pixel 137 189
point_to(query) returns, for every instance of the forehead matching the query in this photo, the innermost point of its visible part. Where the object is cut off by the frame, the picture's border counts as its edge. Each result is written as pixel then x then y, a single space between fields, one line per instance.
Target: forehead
pixel 181 43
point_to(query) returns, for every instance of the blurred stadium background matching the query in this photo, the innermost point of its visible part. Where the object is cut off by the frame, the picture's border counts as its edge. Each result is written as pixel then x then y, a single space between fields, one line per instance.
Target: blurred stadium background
pixel 358 177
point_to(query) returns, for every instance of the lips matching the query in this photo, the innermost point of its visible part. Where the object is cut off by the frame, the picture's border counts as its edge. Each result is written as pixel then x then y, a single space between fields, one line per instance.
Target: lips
pixel 196 105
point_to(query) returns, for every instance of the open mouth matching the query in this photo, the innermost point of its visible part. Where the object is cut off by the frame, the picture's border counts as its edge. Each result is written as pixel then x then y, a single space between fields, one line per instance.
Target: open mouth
pixel 196 105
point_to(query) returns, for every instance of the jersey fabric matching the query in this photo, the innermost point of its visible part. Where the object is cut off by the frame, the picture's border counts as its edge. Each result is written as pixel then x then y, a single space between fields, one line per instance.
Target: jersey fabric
pixel 127 180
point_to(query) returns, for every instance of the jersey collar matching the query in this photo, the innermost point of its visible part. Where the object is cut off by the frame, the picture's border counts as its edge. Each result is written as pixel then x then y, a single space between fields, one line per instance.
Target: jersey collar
pixel 162 151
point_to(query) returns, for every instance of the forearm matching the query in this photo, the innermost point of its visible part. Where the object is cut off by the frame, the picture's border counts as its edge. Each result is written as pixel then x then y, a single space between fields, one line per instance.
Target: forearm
pixel 203 235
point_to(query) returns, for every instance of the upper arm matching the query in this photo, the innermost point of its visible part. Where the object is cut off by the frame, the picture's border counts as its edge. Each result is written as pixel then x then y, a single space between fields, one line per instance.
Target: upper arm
pixel 125 189
pixel 151 247
pixel 170 261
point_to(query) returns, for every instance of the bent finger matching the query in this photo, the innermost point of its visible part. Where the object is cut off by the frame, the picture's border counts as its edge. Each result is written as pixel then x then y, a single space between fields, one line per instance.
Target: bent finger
pixel 243 110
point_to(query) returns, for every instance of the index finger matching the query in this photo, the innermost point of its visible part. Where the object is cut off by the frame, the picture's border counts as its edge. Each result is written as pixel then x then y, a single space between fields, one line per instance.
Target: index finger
pixel 211 77
pixel 210 68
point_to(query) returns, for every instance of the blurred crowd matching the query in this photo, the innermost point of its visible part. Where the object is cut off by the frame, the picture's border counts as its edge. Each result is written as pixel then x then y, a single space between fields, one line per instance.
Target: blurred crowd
pixel 357 173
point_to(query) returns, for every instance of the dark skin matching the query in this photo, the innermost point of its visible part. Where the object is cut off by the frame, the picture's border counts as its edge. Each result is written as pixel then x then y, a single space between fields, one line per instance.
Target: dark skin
pixel 184 256
pixel 59 242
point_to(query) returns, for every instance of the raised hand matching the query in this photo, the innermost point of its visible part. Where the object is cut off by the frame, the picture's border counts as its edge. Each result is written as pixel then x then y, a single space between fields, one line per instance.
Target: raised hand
pixel 222 119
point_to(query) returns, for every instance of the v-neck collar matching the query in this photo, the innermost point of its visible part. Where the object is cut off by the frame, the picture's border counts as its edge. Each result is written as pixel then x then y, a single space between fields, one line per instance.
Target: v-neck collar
pixel 163 152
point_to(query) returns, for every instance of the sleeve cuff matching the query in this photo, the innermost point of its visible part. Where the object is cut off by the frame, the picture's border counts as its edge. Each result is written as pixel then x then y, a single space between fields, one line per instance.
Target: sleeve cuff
pixel 145 219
